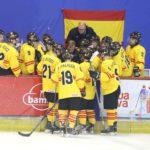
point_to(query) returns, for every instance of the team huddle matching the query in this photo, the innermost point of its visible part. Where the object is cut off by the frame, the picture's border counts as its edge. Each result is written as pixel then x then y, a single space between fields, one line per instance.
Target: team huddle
pixel 69 75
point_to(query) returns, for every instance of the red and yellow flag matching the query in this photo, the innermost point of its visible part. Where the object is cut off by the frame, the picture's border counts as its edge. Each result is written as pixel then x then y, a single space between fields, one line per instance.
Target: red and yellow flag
pixel 110 23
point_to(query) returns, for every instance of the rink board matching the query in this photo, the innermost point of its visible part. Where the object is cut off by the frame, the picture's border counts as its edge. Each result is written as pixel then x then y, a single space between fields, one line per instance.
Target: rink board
pixel 24 97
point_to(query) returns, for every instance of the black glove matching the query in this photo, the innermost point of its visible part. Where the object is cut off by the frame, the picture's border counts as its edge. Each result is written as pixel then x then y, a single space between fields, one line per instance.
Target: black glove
pixel 83 93
pixel 136 71
pixel 94 74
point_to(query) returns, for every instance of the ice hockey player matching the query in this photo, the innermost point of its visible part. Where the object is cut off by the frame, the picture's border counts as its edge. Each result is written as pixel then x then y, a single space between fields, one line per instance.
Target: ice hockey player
pixel 95 43
pixel 110 86
pixel 69 78
pixel 27 55
pixel 46 68
pixel 121 59
pixel 71 47
pixel 136 54
pixel 10 55
pixel 106 41
pixel 48 37
pixel 97 61
pixel 87 113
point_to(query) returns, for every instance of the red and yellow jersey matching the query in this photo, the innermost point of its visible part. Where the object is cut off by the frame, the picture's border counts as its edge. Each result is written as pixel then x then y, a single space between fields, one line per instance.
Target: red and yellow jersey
pixel 137 57
pixel 11 60
pixel 27 59
pixel 3 51
pixel 109 76
pixel 69 77
pixel 96 63
pixel 89 85
pixel 46 68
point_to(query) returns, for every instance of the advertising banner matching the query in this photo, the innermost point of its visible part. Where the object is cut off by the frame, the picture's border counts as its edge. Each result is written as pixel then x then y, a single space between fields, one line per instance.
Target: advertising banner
pixel 134 100
pixel 23 96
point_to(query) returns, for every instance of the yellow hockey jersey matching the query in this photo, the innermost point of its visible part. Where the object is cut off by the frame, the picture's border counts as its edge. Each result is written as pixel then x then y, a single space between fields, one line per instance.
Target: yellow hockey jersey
pixel 11 60
pixel 27 59
pixel 89 85
pixel 46 68
pixel 137 57
pixel 109 76
pixel 69 77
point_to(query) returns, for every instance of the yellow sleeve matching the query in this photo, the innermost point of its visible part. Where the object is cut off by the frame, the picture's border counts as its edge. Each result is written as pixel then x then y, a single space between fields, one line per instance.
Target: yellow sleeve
pixel 40 68
pixel 85 71
pixel 21 59
pixel 79 77
pixel 14 64
pixel 140 58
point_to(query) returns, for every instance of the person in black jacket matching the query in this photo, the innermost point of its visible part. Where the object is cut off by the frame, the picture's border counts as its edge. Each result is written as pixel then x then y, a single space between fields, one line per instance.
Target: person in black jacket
pixel 79 33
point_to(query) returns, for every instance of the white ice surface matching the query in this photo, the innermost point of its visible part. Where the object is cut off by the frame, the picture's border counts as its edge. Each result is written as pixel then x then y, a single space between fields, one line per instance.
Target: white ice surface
pixel 46 141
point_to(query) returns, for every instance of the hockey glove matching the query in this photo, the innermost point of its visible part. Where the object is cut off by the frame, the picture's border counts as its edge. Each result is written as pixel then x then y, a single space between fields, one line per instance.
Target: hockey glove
pixel 94 74
pixel 83 93
pixel 136 71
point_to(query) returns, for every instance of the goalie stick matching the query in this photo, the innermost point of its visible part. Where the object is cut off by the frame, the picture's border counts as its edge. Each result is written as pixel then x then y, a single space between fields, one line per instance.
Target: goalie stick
pixel 37 125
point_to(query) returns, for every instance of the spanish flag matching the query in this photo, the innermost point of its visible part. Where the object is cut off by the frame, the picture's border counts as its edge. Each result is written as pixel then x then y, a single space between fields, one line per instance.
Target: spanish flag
pixel 110 23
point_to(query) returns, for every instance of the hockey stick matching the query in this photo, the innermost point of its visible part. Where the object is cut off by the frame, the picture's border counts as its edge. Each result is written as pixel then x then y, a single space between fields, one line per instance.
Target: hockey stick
pixel 37 125
pixel 135 107
pixel 100 106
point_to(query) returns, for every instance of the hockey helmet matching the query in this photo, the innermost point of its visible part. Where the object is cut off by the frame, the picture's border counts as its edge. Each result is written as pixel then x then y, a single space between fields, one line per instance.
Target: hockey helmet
pixel 114 48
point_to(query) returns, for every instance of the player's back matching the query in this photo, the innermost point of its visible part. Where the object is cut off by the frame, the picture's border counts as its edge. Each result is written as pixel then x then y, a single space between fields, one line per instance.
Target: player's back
pixel 109 76
pixel 11 60
pixel 46 68
pixel 68 76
